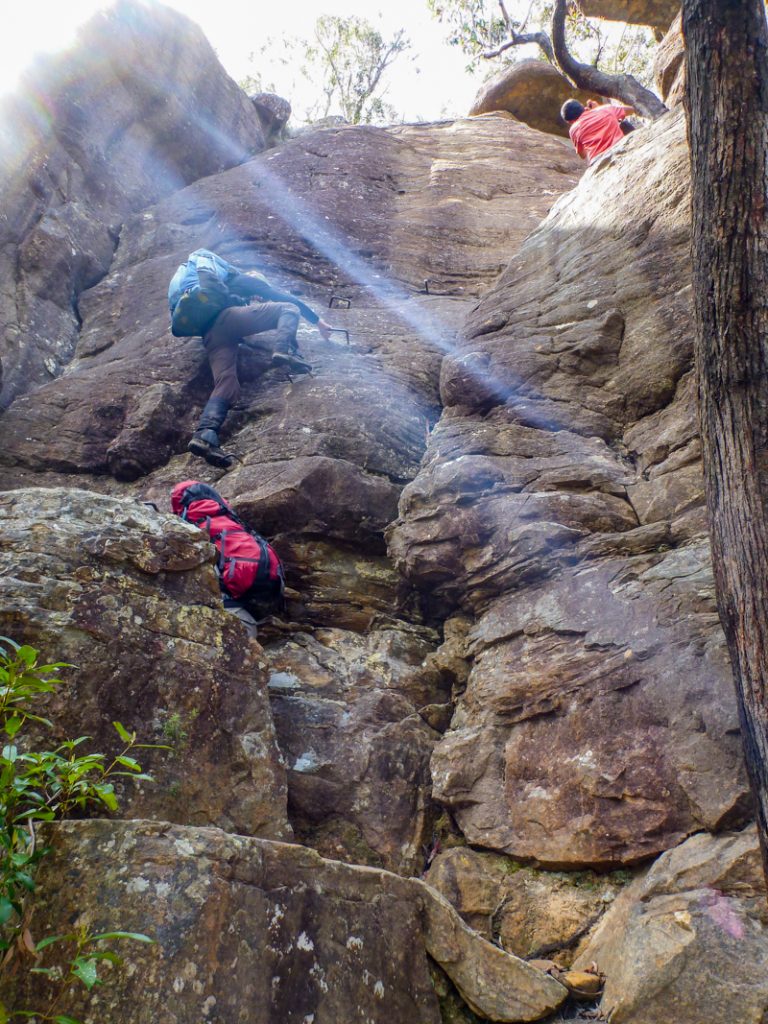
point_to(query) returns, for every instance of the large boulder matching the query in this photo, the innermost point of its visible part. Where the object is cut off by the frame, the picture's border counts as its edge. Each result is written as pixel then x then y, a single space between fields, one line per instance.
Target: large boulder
pixel 137 121
pixel 687 942
pixel 274 112
pixel 533 91
pixel 527 912
pixel 247 929
pixel 129 598
pixel 565 467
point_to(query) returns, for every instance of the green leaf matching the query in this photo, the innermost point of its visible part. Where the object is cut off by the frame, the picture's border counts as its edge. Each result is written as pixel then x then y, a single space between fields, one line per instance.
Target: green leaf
pixel 112 957
pixel 50 939
pixel 43 970
pixel 4 1018
pixel 128 762
pixel 9 753
pixel 85 969
pixel 123 733
pixel 6 909
pixel 26 880
pixel 106 794
pixel 13 725
pixel 27 654
pixel 63 1019
pixel 137 936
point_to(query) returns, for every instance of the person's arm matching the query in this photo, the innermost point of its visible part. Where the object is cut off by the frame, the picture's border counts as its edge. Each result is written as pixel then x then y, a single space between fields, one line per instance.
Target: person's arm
pixel 620 112
pixel 256 287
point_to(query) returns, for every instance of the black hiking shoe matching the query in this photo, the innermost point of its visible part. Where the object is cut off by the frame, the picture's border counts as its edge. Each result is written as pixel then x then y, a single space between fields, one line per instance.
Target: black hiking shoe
pixel 291 361
pixel 205 448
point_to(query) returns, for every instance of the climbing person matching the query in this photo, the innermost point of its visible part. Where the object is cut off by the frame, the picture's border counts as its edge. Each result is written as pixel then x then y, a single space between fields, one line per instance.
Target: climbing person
pixel 596 128
pixel 251 575
pixel 210 298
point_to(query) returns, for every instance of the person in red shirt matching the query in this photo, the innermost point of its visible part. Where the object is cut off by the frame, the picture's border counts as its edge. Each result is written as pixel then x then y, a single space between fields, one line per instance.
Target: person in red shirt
pixel 594 129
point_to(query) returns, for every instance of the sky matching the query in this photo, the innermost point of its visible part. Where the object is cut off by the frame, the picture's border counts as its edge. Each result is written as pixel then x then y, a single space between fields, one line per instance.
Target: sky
pixel 433 85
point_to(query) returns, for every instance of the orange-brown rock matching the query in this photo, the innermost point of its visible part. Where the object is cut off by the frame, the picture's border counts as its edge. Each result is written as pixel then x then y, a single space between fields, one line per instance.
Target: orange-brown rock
pixel 564 466
pixel 669 65
pixel 533 91
pixel 582 985
pixel 687 941
pixel 530 913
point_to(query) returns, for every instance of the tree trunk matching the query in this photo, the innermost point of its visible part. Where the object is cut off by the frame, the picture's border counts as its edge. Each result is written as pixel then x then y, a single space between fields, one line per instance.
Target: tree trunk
pixel 590 79
pixel 727 108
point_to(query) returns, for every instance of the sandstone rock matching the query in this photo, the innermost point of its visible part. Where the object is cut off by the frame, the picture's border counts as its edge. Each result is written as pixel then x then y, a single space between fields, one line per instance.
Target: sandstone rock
pixel 356 750
pixel 129 597
pixel 684 943
pixel 237 921
pixel 581 984
pixel 529 913
pixel 669 65
pixel 495 502
pixel 322 459
pixel 656 13
pixel 533 91
pixel 273 112
pixel 482 972
pixel 569 746
pixel 560 480
pixel 134 121
pixel 422 204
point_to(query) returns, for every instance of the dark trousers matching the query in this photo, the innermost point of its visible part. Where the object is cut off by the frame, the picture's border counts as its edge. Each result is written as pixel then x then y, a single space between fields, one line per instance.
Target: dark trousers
pixel 229 328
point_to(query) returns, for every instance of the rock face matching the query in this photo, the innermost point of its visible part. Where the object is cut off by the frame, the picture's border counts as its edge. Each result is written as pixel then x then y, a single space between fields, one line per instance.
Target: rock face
pixel 656 13
pixel 669 65
pixel 350 716
pixel 79 571
pixel 500 629
pixel 444 224
pixel 564 475
pixel 692 931
pixel 342 216
pixel 245 928
pixel 533 91
pixel 135 120
pixel 529 913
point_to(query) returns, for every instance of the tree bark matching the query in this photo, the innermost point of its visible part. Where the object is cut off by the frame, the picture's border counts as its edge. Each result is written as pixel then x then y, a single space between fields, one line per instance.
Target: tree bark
pixel 727 109
pixel 619 87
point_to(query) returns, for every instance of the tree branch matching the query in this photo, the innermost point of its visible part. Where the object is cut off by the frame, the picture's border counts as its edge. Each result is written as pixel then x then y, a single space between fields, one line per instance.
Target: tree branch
pixel 583 76
pixel 518 39
pixel 619 87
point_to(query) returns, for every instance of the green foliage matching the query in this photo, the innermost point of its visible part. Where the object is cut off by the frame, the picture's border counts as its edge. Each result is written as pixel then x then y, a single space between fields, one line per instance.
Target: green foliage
pixel 175 728
pixel 477 26
pixel 353 56
pixel 40 786
pixel 341 66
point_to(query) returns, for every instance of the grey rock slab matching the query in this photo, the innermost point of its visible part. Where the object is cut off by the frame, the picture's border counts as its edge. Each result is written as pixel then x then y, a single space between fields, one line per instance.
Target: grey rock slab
pixel 246 927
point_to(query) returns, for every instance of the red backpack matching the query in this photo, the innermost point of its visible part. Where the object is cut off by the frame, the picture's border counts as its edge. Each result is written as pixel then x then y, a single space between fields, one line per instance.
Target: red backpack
pixel 248 566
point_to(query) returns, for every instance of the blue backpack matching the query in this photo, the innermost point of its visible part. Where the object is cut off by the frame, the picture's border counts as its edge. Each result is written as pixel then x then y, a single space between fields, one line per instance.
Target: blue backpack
pixel 198 293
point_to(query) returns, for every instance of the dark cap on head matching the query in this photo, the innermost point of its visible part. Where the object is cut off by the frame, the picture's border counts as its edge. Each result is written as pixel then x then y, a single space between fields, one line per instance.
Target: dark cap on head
pixel 571 110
